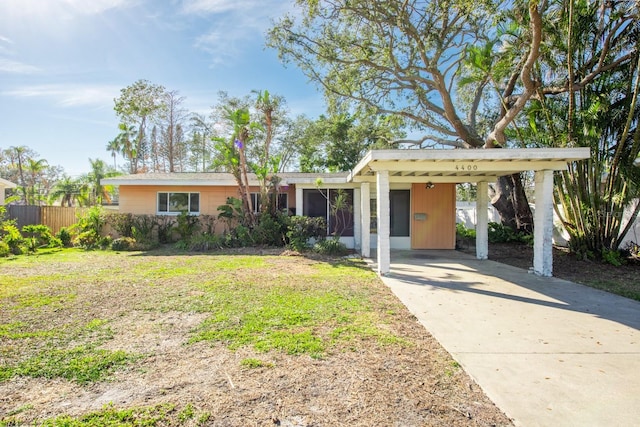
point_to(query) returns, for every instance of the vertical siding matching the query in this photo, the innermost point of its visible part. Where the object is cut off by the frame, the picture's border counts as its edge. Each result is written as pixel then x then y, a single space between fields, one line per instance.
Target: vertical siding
pixel 438 229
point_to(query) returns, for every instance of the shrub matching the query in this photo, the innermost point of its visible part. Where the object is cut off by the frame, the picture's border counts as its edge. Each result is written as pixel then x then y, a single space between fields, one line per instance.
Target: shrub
pixel 465 233
pixel 302 229
pixel 5 251
pixel 164 226
pixel 123 224
pixel 332 247
pixel 142 228
pixel 64 236
pixel 271 229
pixel 205 242
pixel 38 236
pixel 12 237
pixel 613 257
pixel 187 225
pixel 89 229
pixel 123 244
pixel 499 233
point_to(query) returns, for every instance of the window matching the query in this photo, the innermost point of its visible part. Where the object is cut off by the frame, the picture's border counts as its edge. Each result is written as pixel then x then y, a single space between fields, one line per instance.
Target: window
pixel 175 203
pixel 316 204
pixel 282 201
pixel 399 213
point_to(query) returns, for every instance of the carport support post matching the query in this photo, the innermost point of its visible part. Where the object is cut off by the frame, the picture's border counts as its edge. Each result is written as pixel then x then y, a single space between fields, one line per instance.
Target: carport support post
pixel 482 221
pixel 384 255
pixel 543 224
pixel 365 219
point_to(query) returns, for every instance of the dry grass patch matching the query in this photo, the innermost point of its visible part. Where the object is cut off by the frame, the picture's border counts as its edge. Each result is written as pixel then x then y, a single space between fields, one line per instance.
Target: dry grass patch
pixel 169 338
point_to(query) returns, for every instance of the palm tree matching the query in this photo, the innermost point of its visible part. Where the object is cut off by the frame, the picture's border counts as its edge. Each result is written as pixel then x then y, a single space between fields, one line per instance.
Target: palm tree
pixel 126 140
pixel 35 168
pixel 68 191
pixel 99 171
pixel 114 148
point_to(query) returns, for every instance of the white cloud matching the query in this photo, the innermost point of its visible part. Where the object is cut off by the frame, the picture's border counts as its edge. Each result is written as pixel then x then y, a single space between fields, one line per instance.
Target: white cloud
pixel 15 67
pixel 93 7
pixel 215 6
pixel 233 23
pixel 69 95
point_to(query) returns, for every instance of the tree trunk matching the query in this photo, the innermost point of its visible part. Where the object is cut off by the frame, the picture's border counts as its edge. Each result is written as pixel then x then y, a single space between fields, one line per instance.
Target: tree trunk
pixel 512 205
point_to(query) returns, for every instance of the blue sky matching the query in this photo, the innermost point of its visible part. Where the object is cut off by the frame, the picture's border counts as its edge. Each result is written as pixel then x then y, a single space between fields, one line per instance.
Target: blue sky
pixel 62 62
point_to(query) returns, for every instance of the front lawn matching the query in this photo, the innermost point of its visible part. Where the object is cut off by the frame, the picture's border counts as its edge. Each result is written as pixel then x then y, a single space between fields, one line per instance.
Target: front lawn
pixel 172 338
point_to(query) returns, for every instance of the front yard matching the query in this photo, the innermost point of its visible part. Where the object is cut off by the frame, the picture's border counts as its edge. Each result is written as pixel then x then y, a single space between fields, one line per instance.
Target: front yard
pixel 173 338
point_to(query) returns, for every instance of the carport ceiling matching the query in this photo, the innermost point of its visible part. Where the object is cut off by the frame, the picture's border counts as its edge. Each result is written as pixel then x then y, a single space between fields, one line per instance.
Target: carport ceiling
pixel 466 165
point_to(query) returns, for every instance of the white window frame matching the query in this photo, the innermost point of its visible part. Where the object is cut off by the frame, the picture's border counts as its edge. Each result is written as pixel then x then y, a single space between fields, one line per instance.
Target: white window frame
pixel 168 193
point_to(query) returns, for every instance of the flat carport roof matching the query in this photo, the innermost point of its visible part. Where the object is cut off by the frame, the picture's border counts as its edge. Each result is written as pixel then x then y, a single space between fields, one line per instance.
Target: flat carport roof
pixel 382 167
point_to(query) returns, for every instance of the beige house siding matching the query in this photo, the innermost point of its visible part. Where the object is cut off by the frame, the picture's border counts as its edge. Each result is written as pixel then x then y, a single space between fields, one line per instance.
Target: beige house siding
pixel 142 199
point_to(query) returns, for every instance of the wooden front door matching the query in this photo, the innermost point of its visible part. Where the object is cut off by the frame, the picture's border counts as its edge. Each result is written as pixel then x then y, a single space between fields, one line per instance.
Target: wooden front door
pixel 433 216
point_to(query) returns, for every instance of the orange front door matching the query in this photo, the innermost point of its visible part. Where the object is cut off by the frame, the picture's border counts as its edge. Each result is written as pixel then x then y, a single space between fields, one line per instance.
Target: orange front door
pixel 433 216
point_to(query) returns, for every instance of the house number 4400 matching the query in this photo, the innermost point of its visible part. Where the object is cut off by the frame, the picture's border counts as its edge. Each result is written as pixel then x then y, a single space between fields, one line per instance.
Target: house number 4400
pixel 466 167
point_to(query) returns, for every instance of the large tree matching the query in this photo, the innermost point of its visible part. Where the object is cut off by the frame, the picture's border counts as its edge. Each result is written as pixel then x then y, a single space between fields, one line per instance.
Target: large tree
pixel 137 106
pixel 405 59
pixel 590 84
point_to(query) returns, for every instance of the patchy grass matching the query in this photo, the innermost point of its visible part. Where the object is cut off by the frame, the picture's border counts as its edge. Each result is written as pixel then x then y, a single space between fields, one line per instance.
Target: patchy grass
pixel 159 415
pixel 167 328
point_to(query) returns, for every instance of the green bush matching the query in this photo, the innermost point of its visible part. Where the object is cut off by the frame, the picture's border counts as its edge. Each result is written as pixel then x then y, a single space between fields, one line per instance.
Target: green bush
pixel 5 251
pixel 123 244
pixel 165 226
pixel 613 257
pixel 205 242
pixel 302 229
pixel 271 229
pixel 89 228
pixel 465 233
pixel 332 247
pixel 123 224
pixel 142 228
pixel 38 236
pixel 64 236
pixel 13 238
pixel 186 226
pixel 499 233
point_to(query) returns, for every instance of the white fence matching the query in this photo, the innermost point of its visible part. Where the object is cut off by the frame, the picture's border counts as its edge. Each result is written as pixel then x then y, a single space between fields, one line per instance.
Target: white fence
pixel 466 213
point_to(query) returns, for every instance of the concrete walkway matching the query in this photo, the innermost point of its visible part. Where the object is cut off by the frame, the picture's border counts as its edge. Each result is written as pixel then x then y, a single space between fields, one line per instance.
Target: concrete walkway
pixel 547 351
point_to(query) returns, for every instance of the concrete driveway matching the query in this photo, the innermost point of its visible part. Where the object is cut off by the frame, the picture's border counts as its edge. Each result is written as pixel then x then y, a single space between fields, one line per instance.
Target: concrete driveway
pixel 547 351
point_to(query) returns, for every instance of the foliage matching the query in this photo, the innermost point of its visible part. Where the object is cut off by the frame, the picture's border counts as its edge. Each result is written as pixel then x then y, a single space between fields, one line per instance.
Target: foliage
pixel 465 233
pixel 13 238
pixel 186 226
pixel 37 236
pixel 123 244
pixel 613 257
pixel 89 229
pixel 5 250
pixel 333 247
pixel 499 233
pixel 165 225
pixel 205 242
pixel 64 235
pixel 122 223
pixel 302 229
pixel 142 229
pixel 137 106
pixel 271 229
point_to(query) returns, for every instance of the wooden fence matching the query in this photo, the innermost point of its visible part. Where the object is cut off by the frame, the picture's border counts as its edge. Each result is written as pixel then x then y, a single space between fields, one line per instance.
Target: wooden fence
pixel 54 217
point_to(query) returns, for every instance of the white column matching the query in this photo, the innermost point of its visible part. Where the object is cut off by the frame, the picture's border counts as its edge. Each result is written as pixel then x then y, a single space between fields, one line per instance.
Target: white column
pixel 298 201
pixel 365 219
pixel 357 223
pixel 384 255
pixel 543 224
pixel 482 221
